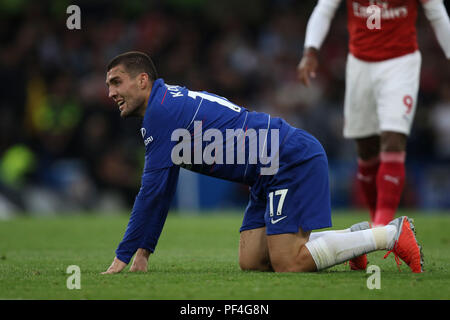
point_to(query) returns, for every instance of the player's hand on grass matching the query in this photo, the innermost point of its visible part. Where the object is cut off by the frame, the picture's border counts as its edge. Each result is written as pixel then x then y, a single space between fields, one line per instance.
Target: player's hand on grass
pixel 115 267
pixel 140 261
pixel 307 67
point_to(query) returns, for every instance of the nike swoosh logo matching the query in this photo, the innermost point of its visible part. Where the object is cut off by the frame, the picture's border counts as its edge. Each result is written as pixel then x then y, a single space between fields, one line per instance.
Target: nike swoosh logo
pixel 278 220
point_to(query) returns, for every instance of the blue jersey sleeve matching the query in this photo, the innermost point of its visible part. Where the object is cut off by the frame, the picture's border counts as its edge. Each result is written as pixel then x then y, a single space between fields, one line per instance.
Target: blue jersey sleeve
pixel 149 212
pixel 164 114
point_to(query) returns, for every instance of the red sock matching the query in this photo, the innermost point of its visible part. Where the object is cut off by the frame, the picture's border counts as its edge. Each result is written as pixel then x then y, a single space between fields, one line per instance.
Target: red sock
pixel 390 182
pixel 367 181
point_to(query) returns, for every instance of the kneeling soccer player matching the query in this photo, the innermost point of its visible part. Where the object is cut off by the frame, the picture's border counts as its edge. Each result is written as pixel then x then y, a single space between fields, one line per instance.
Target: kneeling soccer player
pixel 289 189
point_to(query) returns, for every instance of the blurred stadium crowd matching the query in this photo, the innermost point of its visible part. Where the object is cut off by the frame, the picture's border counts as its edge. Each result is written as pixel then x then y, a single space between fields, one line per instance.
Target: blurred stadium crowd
pixel 63 146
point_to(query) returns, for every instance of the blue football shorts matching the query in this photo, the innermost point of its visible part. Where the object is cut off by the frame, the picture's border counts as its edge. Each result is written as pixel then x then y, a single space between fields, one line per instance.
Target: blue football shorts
pixel 298 195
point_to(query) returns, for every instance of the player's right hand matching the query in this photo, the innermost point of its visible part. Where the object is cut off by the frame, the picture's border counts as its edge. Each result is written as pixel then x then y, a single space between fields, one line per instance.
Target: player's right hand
pixel 307 67
pixel 115 267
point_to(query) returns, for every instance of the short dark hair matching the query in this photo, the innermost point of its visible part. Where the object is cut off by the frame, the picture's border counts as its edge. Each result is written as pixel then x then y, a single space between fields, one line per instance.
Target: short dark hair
pixel 135 62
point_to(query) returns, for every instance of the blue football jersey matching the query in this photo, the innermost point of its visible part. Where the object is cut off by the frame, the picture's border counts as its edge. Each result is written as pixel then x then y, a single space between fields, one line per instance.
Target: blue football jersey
pixel 204 133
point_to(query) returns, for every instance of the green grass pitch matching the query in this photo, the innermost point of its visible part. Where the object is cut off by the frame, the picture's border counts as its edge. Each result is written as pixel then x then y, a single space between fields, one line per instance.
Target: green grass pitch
pixel 196 259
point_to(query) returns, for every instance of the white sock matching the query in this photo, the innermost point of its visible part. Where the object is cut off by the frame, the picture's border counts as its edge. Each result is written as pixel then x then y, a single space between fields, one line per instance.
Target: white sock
pixel 334 247
pixel 315 235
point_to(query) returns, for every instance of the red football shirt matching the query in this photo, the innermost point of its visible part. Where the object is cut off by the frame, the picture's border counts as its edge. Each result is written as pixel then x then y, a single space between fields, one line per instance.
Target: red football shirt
pixel 396 35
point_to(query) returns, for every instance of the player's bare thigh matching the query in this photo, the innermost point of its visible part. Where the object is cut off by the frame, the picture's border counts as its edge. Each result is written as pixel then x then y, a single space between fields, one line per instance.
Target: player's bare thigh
pixel 253 250
pixel 288 252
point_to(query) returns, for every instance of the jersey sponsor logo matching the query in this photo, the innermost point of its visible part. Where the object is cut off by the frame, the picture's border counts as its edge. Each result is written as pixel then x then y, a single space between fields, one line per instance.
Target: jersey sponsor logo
pixel 386 12
pixel 374 20
pixel 149 139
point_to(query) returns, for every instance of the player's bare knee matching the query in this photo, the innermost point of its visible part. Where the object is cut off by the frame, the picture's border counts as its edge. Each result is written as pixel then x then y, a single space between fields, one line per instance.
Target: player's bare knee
pixel 254 262
pixel 246 265
pixel 252 265
pixel 285 264
pixel 368 148
pixel 253 252
pixel 285 267
pixel 298 261
pixel 393 141
pixel 290 266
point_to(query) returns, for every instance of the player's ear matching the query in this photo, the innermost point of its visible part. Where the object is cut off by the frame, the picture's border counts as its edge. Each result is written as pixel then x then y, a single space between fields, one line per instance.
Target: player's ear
pixel 144 81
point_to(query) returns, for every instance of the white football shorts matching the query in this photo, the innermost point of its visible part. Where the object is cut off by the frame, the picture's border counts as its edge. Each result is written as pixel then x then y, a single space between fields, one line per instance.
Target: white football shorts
pixel 381 96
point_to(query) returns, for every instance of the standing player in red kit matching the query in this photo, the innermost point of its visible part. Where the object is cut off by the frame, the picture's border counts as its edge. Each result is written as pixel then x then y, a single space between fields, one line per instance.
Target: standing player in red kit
pixel 382 81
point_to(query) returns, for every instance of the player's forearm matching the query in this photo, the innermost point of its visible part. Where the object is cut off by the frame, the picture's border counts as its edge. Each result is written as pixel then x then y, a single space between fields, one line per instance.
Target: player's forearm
pixel 319 22
pixel 439 20
pixel 133 236
pixel 311 52
pixel 149 213
pixel 144 228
